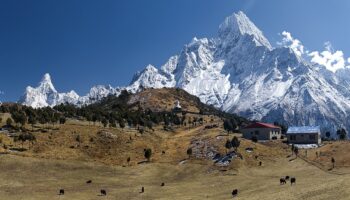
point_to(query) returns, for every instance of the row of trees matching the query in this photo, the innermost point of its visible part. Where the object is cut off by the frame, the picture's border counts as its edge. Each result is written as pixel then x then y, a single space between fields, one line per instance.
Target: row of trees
pixel 341 133
pixel 115 111
pixel 119 115
pixel 234 143
pixel 21 115
pixel 230 125
pixel 112 111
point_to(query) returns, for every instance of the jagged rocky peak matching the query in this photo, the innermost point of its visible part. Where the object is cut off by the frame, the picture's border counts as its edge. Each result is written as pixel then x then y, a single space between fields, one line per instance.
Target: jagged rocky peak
pixel 100 91
pixel 170 66
pixel 46 78
pixel 46 95
pixel 46 84
pixel 150 77
pixel 238 25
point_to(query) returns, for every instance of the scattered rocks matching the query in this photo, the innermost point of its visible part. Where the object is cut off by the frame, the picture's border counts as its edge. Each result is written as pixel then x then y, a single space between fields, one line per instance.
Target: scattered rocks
pixel 107 136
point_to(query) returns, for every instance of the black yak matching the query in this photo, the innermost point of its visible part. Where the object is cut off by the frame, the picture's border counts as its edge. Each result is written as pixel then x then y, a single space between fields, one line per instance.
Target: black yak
pixel 293 181
pixel 103 192
pixel 282 181
pixel 234 192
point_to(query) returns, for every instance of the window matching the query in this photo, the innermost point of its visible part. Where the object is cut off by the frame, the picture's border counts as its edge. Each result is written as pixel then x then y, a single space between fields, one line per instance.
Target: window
pixel 292 137
pixel 256 132
pixel 312 137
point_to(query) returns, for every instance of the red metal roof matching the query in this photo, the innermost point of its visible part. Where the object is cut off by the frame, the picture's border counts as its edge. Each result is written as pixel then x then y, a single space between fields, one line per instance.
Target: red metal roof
pixel 261 125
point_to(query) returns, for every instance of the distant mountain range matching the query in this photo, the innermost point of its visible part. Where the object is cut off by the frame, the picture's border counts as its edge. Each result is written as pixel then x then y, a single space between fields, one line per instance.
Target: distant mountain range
pixel 239 72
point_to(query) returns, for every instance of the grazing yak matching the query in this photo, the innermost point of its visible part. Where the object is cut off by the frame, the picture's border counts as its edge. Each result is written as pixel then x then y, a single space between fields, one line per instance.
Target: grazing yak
pixel 234 192
pixel 103 192
pixel 89 181
pixel 293 181
pixel 282 181
pixel 61 192
pixel 287 178
pixel 142 190
pixel 163 184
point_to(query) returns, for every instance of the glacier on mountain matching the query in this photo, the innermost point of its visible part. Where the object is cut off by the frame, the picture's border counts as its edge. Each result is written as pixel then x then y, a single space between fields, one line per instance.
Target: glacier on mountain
pixel 239 72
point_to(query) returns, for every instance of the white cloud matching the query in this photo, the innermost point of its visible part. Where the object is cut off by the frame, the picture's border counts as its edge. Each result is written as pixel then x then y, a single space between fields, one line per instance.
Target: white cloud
pixel 329 58
pixel 294 44
pixel 332 60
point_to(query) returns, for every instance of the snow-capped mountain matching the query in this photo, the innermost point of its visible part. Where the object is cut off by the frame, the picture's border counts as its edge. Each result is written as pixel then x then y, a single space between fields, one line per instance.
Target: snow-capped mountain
pixel 238 71
pixel 97 93
pixel 46 95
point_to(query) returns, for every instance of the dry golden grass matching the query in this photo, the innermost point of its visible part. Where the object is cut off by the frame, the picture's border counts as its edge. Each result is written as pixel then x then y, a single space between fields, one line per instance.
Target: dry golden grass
pixel 32 178
pixel 4 117
pixel 57 160
pixel 164 99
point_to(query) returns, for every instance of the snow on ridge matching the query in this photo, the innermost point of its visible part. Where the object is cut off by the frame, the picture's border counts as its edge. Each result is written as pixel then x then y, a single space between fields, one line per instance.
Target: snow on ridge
pixel 239 72
pixel 46 95
pixel 239 24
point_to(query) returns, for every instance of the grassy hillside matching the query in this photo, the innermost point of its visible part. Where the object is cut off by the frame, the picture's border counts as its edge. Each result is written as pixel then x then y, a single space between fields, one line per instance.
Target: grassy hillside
pixel 58 160
pixel 67 155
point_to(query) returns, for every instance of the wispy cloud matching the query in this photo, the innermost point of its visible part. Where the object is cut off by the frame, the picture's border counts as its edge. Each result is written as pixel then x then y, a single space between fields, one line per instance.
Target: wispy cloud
pixel 329 58
pixel 332 60
pixel 294 44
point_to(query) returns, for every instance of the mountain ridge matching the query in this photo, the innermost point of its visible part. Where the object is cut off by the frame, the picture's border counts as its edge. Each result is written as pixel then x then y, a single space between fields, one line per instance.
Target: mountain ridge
pixel 240 72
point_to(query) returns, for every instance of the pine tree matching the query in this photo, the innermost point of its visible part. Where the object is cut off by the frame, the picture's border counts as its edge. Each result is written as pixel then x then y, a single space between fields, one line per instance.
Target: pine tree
pixel 228 145
pixel 235 142
pixel 9 122
pixel 189 152
pixel 228 126
pixel 148 154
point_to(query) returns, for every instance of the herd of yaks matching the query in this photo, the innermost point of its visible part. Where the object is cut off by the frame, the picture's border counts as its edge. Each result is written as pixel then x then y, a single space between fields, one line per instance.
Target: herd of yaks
pixel 234 193
pixel 103 192
pixel 283 181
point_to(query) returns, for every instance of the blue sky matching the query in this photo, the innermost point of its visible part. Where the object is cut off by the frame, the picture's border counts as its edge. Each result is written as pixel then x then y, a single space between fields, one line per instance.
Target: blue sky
pixel 84 43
